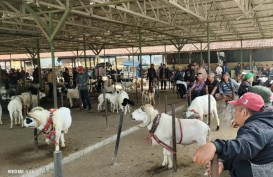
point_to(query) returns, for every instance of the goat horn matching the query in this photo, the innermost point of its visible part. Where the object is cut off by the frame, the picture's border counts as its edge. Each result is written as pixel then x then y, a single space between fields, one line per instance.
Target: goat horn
pixel 34 117
pixel 145 124
pixel 37 108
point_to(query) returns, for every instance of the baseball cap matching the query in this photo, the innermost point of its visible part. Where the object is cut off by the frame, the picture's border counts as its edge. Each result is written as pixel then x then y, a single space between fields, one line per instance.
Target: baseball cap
pixel 80 68
pixel 250 100
pixel 248 75
pixel 264 92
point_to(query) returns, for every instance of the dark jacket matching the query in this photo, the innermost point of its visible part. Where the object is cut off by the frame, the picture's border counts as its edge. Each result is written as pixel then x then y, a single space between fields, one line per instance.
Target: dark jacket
pixel 161 71
pixel 151 73
pixel 244 87
pixel 66 77
pixel 36 76
pixel 82 81
pixel 179 75
pixel 189 75
pixel 254 143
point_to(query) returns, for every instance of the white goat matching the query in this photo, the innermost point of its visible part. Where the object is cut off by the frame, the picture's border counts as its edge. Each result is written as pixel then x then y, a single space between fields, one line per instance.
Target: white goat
pixel 126 85
pixel 199 108
pixel 72 94
pixel 101 100
pixel 15 110
pixel 113 99
pixel 137 82
pixel 192 130
pixel 109 89
pixel 34 99
pixel 61 120
pixel 148 96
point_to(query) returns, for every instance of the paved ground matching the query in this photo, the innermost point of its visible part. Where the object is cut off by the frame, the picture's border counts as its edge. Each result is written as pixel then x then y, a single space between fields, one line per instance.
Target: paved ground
pixel 135 157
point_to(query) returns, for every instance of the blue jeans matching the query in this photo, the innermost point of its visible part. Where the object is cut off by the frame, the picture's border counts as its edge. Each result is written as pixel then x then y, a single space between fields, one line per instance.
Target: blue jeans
pixel 85 99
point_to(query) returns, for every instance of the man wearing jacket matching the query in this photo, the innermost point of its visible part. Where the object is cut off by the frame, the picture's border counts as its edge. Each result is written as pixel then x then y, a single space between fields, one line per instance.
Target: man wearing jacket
pixel 82 83
pixel 250 154
pixel 163 75
pixel 189 77
pixel 151 76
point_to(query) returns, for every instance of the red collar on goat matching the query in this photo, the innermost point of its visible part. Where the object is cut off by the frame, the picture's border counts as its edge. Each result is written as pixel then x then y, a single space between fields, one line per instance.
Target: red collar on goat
pixel 155 123
pixel 161 143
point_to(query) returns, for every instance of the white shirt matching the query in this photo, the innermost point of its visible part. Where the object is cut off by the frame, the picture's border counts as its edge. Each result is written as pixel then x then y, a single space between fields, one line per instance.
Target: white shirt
pixel 219 70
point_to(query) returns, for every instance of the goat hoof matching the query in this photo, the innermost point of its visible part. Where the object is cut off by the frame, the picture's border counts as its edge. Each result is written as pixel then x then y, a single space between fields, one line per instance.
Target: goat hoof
pixel 170 167
pixel 217 128
pixel 63 145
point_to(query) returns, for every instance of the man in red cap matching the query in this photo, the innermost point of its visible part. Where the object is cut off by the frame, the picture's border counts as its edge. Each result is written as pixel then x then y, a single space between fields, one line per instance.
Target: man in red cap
pixel 250 154
pixel 82 80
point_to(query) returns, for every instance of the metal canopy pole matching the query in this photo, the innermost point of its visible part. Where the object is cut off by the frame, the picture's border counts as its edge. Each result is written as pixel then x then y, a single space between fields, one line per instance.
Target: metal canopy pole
pixel 50 34
pixel 165 54
pixel 208 41
pixel 178 45
pixel 77 57
pixel 104 62
pixel 241 55
pixel 201 53
pixel 52 49
pixel 39 63
pixel 179 56
pixel 250 60
pixel 84 51
pixel 140 55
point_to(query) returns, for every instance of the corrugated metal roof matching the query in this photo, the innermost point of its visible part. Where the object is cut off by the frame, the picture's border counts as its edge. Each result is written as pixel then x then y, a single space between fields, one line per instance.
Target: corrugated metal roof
pixel 122 24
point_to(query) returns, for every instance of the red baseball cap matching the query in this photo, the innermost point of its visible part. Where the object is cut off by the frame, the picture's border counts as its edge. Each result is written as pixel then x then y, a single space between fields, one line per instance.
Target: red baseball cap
pixel 250 100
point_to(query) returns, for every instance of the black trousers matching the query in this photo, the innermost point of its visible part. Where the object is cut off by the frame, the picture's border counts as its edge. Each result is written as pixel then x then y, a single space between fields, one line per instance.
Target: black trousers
pixel 163 82
pixel 50 92
pixel 85 99
pixel 151 83
pixel 181 90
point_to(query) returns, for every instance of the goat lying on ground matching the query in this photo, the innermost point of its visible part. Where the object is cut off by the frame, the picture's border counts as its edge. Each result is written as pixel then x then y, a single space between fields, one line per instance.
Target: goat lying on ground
pixel 53 123
pixel 199 108
pixel 188 131
pixel 15 110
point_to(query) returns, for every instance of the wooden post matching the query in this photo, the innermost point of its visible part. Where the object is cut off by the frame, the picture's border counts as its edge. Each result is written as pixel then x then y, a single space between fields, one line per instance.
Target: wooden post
pixel 62 98
pixel 136 90
pixel 209 109
pixel 166 102
pixel 174 139
pixel 35 139
pixel 105 105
